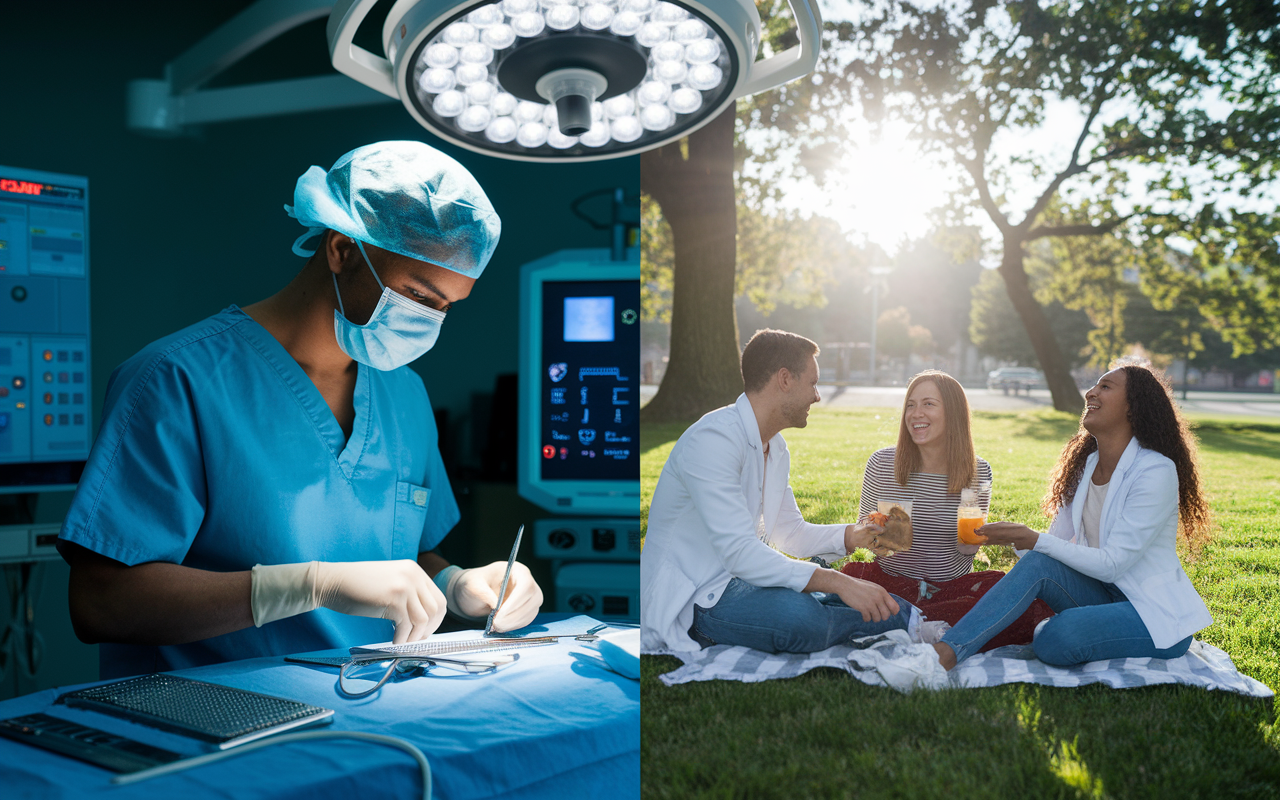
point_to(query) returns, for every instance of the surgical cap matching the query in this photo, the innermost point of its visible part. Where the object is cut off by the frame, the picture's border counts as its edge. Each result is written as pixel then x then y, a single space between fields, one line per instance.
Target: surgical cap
pixel 405 197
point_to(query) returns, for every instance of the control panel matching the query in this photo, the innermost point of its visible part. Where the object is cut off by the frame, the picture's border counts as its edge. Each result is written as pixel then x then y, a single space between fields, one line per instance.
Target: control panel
pixel 45 380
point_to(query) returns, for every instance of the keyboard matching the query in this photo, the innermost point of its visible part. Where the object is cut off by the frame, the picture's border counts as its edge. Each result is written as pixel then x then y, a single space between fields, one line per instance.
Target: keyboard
pixel 106 750
pixel 207 711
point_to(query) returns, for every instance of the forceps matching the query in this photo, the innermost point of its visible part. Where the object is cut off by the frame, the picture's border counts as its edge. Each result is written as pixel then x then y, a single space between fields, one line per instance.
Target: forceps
pixel 410 664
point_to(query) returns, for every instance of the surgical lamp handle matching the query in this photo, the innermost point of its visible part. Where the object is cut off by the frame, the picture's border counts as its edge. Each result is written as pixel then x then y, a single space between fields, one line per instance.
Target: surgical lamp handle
pixel 794 62
pixel 355 62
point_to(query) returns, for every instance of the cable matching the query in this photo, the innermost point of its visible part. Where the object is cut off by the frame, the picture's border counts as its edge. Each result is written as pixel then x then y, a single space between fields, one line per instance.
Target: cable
pixel 209 758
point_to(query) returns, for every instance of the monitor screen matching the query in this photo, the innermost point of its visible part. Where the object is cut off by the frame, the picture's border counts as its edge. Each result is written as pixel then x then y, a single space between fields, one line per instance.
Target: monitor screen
pixel 579 384
pixel 45 382
pixel 589 423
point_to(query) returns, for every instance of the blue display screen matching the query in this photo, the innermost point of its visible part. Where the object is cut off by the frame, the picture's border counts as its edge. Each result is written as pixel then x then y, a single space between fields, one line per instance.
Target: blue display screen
pixel 590 380
pixel 588 319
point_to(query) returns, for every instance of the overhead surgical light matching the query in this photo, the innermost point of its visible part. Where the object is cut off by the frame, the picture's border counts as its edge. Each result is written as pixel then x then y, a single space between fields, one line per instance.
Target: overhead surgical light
pixel 533 80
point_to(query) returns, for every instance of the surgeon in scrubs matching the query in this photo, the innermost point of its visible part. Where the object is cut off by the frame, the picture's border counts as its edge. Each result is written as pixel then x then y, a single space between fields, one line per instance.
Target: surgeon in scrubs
pixel 268 481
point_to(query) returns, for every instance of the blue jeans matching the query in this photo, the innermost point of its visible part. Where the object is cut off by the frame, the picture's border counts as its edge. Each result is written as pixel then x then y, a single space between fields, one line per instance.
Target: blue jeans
pixel 1094 620
pixel 781 620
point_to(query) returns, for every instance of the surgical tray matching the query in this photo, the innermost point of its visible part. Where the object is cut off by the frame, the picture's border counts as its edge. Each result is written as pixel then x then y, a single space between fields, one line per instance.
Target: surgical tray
pixel 206 711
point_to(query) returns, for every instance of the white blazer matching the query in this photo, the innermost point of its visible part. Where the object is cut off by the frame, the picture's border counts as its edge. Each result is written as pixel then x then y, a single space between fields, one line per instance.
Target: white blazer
pixel 702 525
pixel 1137 543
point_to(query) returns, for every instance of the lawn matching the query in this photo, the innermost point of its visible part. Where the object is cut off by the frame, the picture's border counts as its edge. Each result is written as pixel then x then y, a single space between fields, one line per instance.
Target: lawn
pixel 825 734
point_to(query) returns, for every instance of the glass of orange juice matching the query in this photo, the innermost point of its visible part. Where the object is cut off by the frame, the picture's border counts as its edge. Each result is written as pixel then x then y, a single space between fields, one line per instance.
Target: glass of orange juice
pixel 968 517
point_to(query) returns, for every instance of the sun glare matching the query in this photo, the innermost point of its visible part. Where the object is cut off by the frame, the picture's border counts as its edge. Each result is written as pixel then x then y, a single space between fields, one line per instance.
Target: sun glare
pixel 885 192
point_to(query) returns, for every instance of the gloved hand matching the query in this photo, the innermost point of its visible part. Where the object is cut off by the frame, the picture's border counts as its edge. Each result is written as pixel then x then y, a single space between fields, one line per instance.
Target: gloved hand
pixel 394 590
pixel 473 593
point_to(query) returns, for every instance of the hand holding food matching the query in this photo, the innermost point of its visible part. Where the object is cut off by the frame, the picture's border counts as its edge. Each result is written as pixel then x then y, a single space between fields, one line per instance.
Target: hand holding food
pixel 897 530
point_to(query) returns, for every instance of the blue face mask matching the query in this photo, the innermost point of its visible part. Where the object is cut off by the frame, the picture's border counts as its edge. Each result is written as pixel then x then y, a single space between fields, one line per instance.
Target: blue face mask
pixel 398 332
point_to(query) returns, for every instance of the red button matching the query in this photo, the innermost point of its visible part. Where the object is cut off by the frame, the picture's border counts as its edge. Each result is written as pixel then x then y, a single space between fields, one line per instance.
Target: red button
pixel 48 419
pixel 48 355
pixel 48 398
pixel 549 451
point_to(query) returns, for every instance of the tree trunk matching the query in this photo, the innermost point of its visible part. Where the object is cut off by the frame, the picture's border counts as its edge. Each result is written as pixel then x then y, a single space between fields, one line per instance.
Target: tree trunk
pixel 697 198
pixel 1066 397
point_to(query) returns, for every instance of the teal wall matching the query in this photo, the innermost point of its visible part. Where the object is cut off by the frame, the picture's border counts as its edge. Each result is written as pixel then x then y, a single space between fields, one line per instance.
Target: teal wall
pixel 180 228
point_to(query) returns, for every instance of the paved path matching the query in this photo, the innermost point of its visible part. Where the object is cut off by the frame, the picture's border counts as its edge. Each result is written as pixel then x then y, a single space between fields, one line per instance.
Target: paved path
pixel 1224 403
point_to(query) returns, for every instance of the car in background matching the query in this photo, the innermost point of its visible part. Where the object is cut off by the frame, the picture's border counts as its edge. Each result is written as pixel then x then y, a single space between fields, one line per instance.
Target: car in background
pixel 1015 379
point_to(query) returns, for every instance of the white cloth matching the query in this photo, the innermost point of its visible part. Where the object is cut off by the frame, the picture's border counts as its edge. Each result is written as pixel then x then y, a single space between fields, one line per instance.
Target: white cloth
pixel 1091 519
pixel 1203 665
pixel 702 526
pixel 1137 548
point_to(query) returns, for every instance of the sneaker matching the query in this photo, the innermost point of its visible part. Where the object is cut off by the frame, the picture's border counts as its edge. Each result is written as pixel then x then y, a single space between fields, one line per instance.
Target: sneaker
pixel 901 663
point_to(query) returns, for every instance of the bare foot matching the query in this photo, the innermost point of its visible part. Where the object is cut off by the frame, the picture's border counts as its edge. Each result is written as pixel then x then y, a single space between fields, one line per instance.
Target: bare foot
pixel 946 655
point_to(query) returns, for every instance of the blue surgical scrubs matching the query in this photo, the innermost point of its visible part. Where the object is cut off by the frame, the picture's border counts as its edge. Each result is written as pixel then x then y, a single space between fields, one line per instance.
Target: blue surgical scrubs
pixel 218 452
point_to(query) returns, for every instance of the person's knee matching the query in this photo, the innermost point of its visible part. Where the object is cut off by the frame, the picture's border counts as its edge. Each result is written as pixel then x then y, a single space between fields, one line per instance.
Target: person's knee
pixel 1054 645
pixel 1033 560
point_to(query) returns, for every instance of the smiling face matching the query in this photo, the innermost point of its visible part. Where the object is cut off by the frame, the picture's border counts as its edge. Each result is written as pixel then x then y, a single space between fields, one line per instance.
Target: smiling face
pixel 802 393
pixel 1106 405
pixel 925 416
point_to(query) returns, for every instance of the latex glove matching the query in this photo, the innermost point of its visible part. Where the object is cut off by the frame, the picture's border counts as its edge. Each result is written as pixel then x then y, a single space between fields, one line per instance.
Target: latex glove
pixel 473 593
pixel 398 591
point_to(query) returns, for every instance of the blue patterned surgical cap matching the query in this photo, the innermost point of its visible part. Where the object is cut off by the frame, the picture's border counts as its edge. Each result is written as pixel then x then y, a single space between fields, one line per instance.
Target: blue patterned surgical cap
pixel 405 197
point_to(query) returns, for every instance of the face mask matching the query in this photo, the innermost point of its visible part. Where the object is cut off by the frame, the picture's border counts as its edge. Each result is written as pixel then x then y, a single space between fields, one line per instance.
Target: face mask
pixel 398 331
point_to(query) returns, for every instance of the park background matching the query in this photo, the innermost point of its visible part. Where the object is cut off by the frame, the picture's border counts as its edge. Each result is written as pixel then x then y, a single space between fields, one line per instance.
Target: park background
pixel 970 185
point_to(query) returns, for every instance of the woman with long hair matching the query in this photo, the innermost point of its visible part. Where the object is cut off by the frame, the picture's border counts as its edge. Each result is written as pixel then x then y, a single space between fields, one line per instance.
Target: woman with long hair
pixel 933 462
pixel 1124 487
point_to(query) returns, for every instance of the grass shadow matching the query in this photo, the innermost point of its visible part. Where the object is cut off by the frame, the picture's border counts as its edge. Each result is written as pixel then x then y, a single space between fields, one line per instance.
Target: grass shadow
pixel 1041 426
pixel 653 435
pixel 825 734
pixel 1249 439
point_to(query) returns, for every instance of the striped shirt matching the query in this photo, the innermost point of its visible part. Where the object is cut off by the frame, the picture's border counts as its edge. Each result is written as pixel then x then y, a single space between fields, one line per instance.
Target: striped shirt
pixel 933 555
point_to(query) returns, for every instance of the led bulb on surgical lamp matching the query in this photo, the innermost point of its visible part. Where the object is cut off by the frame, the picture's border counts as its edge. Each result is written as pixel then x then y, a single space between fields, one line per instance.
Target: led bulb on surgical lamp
pixel 607 78
pixel 610 77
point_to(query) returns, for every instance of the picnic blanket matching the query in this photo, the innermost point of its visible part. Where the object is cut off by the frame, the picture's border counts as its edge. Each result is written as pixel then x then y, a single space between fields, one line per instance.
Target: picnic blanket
pixel 1203 665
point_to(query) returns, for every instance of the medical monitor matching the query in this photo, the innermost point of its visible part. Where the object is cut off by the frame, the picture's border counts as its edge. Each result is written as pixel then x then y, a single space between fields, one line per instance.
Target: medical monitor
pixel 45 381
pixel 579 383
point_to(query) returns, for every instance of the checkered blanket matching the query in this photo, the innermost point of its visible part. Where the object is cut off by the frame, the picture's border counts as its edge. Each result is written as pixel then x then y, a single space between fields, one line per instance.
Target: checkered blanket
pixel 1203 665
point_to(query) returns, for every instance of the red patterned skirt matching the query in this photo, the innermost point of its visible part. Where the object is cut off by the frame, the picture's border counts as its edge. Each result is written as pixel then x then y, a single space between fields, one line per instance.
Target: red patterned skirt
pixel 951 600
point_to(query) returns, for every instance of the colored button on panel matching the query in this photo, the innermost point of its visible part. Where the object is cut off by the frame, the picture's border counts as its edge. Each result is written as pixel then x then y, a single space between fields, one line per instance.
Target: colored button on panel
pixel 48 419
pixel 47 355
pixel 48 398
pixel 19 382
pixel 4 421
pixel 64 377
pixel 48 377
pixel 4 391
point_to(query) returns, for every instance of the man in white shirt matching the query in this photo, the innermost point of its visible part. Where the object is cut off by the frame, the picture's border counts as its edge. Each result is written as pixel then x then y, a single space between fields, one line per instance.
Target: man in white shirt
pixel 723 515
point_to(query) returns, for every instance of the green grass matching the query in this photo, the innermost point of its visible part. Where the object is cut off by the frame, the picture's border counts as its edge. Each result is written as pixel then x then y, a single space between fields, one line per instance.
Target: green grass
pixel 825 734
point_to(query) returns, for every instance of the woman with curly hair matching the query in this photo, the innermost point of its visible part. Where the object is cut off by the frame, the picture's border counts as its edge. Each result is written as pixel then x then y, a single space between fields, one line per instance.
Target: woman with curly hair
pixel 1108 565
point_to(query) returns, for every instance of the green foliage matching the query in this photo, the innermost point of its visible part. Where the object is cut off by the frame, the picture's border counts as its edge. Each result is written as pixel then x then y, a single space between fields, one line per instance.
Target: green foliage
pixel 657 262
pixel 996 330
pixel 1150 80
pixel 897 337
pixel 1227 264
